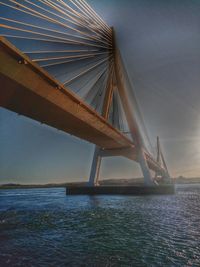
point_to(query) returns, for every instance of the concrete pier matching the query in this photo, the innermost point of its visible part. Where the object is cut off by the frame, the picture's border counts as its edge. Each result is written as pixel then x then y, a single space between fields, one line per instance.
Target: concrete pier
pixel 120 190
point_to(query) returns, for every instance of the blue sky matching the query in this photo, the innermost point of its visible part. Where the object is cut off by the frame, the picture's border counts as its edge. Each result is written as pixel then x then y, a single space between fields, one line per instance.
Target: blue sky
pixel 159 41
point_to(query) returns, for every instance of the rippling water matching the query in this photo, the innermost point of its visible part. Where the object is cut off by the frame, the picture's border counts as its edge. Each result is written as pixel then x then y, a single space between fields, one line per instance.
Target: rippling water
pixel 44 227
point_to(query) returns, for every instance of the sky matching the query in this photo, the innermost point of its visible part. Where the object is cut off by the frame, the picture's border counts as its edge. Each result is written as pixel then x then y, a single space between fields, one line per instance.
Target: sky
pixel 159 42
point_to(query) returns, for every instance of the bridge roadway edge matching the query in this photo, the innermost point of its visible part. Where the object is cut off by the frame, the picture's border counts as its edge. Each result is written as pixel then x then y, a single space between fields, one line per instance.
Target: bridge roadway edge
pixel 39 96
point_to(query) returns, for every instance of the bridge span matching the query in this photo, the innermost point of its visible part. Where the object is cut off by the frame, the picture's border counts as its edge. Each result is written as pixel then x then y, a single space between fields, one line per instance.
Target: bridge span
pixel 29 90
pixel 88 51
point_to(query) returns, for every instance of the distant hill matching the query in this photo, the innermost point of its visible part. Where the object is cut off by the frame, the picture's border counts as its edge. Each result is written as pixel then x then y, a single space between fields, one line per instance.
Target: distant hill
pixel 184 180
pixel 102 182
pixel 130 181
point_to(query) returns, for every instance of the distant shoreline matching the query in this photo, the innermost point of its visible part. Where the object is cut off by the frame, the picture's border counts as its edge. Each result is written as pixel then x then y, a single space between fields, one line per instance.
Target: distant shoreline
pixel 135 181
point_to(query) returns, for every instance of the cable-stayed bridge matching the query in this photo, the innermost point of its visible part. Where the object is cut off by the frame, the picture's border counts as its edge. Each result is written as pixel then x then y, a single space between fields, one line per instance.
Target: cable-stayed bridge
pixel 60 65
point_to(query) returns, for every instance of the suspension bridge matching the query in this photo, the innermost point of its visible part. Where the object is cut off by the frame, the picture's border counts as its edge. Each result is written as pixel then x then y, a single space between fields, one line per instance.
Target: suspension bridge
pixel 61 66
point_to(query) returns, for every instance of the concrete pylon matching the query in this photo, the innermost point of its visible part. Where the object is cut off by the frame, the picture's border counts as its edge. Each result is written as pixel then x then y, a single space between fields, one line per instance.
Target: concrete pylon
pixel 148 180
pixel 95 168
pixel 116 80
pixel 96 163
pixel 160 159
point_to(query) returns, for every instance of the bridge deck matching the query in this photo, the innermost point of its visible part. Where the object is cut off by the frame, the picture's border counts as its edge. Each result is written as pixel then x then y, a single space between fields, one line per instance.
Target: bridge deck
pixel 29 90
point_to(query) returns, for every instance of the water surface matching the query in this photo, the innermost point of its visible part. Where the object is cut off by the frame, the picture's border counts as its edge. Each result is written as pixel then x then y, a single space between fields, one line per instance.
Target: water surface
pixel 44 227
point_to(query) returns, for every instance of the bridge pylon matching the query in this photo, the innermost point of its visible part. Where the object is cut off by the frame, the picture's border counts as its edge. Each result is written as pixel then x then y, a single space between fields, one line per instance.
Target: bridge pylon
pixel 148 179
pixel 95 168
pixel 116 81
pixel 165 176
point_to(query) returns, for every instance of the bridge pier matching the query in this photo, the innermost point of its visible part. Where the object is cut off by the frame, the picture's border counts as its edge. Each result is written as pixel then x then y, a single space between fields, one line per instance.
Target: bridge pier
pixel 95 168
pixel 148 180
pixel 96 164
pixel 160 159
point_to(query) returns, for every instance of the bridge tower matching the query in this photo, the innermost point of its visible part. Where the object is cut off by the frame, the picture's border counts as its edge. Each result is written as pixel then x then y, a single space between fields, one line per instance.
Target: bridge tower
pixel 116 81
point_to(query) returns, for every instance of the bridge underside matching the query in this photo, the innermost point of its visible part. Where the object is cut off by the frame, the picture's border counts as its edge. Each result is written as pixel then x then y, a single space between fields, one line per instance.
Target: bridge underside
pixel 30 91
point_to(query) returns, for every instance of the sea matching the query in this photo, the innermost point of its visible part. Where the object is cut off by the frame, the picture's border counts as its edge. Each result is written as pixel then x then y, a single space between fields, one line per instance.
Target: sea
pixel 46 227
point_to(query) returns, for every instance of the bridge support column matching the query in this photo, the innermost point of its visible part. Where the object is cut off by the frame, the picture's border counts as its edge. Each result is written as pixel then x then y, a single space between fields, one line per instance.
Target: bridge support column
pixel 95 168
pixel 145 169
pixel 160 159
